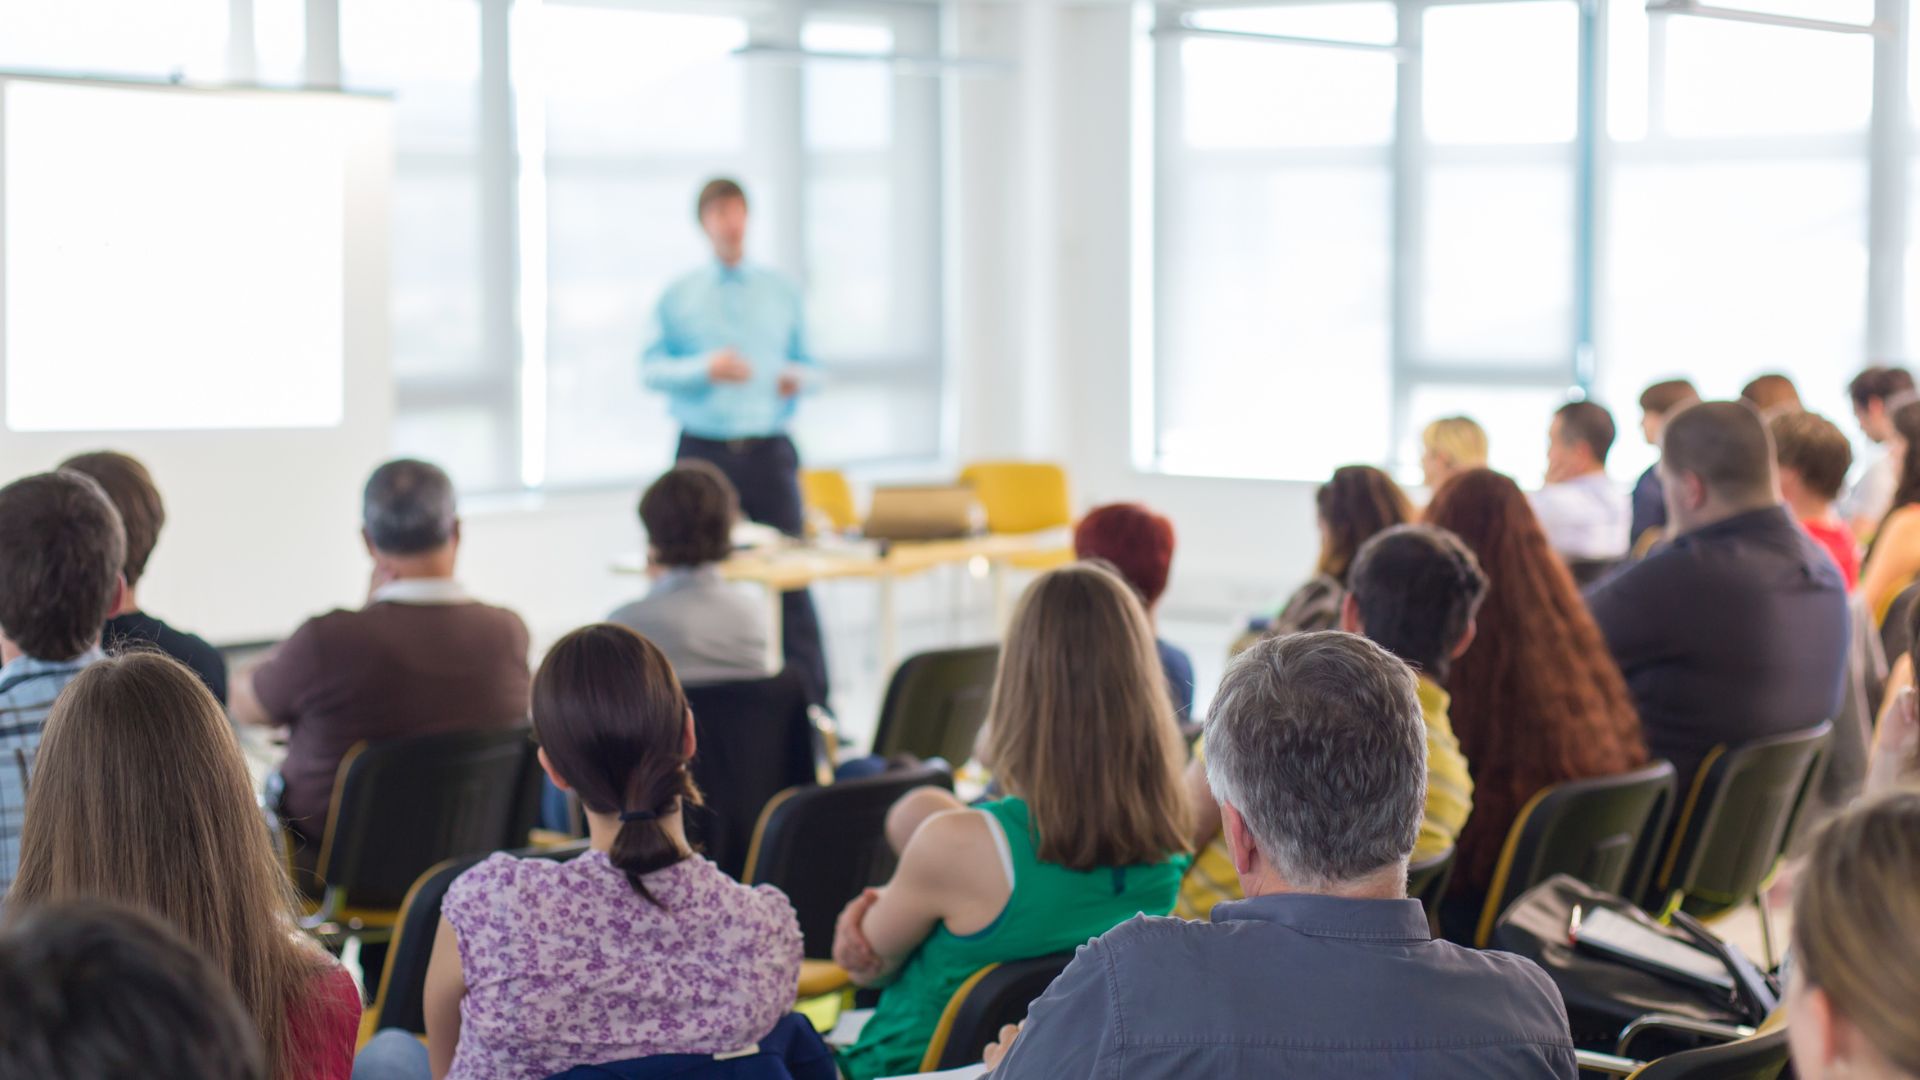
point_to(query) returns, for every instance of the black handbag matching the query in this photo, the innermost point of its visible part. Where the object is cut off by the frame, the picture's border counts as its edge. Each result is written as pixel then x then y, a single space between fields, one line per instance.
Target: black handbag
pixel 1604 995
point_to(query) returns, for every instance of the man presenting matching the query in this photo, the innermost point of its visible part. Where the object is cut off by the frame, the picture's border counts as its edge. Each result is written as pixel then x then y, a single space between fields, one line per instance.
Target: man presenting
pixel 730 354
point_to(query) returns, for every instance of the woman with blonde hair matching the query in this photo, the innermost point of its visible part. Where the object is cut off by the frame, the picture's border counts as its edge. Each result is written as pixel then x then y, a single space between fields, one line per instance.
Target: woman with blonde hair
pixel 1092 830
pixel 1450 446
pixel 140 795
pixel 1853 995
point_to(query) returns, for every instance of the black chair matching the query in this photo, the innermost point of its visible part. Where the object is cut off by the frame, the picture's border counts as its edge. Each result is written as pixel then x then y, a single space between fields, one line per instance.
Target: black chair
pixel 756 739
pixel 1738 818
pixel 936 703
pixel 1603 831
pixel 1588 571
pixel 822 845
pixel 991 998
pixel 400 1000
pixel 1896 630
pixel 1427 882
pixel 1749 1057
pixel 403 806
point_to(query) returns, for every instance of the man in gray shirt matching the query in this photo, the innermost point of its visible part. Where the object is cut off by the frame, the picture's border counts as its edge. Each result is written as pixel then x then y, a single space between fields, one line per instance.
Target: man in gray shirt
pixel 708 630
pixel 1317 755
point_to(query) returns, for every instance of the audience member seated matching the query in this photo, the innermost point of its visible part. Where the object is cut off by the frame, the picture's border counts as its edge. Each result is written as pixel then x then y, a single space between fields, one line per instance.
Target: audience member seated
pixel 1448 447
pixel 1772 395
pixel 1536 698
pixel 709 630
pixel 1584 515
pixel 1893 559
pixel 421 658
pixel 1876 393
pixel 1415 592
pixel 1327 970
pixel 1813 457
pixel 1358 502
pixel 1138 543
pixel 1657 403
pixel 134 495
pixel 638 947
pixel 141 797
pixel 1736 629
pixel 1852 996
pixel 61 550
pixel 91 991
pixel 1081 738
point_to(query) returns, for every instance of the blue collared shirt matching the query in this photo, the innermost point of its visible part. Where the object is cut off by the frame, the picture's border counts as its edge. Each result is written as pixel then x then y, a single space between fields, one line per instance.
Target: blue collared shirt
pixel 1304 987
pixel 27 689
pixel 754 310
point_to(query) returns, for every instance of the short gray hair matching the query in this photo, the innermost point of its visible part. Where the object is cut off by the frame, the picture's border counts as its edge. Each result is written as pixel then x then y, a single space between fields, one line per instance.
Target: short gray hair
pixel 1318 741
pixel 408 507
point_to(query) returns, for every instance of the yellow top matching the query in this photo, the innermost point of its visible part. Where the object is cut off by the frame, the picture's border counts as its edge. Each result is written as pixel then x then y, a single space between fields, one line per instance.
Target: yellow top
pixel 1449 799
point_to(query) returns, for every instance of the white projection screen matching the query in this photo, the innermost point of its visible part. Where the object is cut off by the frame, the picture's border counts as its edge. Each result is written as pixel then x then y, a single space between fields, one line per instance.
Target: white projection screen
pixel 173 259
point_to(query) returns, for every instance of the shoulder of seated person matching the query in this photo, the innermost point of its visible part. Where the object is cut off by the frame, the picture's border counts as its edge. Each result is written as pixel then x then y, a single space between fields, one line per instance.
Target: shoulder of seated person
pixel 961 833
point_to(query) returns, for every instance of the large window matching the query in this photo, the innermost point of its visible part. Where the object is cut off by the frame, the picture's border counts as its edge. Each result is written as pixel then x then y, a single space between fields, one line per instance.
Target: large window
pixel 1522 200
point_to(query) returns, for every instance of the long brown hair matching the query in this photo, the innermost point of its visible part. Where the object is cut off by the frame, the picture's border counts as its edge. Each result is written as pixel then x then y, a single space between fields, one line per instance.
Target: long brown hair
pixel 1081 725
pixel 1356 503
pixel 610 714
pixel 140 795
pixel 1537 699
pixel 1906 492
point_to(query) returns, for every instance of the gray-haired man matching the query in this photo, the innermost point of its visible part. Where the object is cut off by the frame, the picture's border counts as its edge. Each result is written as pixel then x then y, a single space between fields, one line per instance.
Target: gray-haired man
pixel 1317 754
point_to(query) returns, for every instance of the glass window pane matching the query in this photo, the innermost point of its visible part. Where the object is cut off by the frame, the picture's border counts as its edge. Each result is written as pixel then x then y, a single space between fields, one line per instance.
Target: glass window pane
pixel 1728 78
pixel 619 81
pixel 427 53
pixel 437 314
pixel 851 306
pixel 1627 59
pixel 187 38
pixel 280 41
pixel 854 421
pixel 1273 290
pixel 1373 23
pixel 1515 419
pixel 1497 263
pixel 1250 95
pixel 1501 73
pixel 849 102
pixel 465 440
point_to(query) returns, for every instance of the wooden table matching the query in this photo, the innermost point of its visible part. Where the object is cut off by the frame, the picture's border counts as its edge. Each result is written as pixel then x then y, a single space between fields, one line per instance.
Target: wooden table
pixel 790 567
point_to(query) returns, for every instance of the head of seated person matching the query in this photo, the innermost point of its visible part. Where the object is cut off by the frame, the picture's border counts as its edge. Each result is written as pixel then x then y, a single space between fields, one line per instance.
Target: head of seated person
pixel 130 488
pixel 1772 395
pixel 1449 446
pixel 1415 590
pixel 409 521
pixel 141 796
pixel 1813 457
pixel 1132 539
pixel 1716 462
pixel 1358 502
pixel 1853 999
pixel 91 990
pixel 689 514
pixel 1658 404
pixel 62 549
pixel 1578 441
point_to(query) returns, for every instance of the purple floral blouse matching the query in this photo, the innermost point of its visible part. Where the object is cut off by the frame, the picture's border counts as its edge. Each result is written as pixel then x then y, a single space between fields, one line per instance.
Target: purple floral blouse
pixel 566 965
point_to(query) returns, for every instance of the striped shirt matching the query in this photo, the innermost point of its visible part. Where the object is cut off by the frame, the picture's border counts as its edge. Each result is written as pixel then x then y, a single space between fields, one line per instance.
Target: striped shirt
pixel 27 689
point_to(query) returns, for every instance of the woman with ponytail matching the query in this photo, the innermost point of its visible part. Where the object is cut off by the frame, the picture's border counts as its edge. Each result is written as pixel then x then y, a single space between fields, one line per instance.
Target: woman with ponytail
pixel 636 948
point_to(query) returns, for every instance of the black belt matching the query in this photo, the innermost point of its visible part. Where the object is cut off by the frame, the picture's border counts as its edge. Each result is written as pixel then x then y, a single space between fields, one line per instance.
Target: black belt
pixel 739 446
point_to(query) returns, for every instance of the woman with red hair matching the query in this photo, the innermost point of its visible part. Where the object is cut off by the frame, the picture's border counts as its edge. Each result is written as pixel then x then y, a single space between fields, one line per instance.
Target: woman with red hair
pixel 1537 699
pixel 1138 543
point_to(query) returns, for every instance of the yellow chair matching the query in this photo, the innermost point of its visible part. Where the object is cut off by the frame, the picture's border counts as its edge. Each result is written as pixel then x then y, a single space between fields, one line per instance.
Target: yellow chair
pixel 1023 497
pixel 827 495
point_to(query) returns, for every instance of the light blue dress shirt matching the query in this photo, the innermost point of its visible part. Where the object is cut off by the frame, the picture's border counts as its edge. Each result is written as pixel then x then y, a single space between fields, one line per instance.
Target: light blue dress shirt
pixel 757 312
pixel 27 689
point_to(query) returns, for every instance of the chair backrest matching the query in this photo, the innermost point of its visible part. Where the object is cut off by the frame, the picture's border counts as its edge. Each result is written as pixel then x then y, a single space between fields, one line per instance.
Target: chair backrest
pixel 991 998
pixel 400 1000
pixel 1738 817
pixel 1602 830
pixel 755 740
pixel 400 807
pixel 1896 636
pixel 936 703
pixel 827 493
pixel 822 845
pixel 1587 571
pixel 1020 496
pixel 1758 1057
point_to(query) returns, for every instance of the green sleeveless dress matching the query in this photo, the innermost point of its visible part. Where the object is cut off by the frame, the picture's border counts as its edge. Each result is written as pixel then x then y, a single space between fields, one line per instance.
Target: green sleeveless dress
pixel 1052 909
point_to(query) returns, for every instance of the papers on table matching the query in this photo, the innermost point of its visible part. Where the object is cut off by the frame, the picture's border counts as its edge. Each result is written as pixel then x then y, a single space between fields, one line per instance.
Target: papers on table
pixel 846 1031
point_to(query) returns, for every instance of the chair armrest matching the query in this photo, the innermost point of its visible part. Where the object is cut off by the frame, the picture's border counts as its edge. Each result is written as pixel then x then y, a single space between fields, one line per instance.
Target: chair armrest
pixel 1605 1064
pixel 1721 1033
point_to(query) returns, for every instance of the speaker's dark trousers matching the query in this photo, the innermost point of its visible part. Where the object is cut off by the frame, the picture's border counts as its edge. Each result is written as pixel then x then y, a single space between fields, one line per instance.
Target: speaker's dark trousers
pixel 766 473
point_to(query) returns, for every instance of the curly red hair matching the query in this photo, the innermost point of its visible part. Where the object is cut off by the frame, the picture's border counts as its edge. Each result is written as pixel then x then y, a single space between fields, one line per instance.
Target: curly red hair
pixel 1537 699
pixel 1137 541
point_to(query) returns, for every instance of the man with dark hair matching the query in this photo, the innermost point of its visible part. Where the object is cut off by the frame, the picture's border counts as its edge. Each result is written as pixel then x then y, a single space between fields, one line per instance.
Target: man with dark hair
pixel 1736 628
pixel 1771 395
pixel 421 658
pixel 1813 457
pixel 1876 393
pixel 135 496
pixel 61 552
pixel 729 351
pixel 93 990
pixel 709 631
pixel 1584 515
pixel 1316 758
pixel 1657 403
